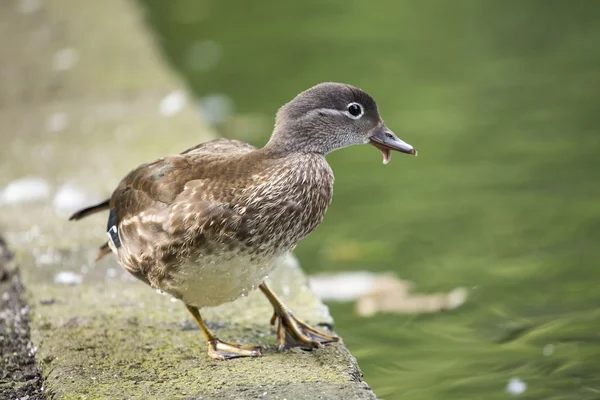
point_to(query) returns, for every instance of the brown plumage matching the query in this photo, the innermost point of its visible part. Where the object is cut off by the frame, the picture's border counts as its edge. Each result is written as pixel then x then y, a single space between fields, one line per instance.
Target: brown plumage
pixel 209 224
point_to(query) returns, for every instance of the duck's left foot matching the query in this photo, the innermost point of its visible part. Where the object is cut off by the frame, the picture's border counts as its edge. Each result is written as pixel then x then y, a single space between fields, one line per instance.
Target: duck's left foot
pixel 221 350
pixel 291 332
pixel 218 349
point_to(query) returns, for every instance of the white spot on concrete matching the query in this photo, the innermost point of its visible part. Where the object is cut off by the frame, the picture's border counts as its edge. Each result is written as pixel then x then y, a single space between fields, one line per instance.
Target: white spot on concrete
pixel 64 59
pixel 34 233
pixel 29 6
pixel 46 256
pixel 216 108
pixel 68 199
pixel 68 278
pixel 204 55
pixel 25 190
pixel 516 386
pixel 172 103
pixel 57 122
pixel 111 273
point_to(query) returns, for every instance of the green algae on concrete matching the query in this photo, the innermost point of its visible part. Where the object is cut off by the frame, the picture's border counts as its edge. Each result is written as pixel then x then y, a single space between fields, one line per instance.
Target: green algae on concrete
pixel 118 336
pixel 87 123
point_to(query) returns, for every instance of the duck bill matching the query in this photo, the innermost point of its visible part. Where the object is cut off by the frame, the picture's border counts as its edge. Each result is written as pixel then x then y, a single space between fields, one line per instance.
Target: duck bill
pixel 386 141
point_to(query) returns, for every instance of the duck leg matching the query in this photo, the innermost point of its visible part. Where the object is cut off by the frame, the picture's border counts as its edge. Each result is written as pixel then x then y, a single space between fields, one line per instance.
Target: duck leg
pixel 291 332
pixel 219 349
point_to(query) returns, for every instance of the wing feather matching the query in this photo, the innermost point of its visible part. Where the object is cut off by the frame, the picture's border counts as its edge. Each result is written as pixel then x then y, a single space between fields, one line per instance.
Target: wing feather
pixel 160 204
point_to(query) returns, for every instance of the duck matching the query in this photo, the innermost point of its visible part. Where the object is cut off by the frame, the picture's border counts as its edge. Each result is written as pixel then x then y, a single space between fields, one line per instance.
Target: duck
pixel 209 224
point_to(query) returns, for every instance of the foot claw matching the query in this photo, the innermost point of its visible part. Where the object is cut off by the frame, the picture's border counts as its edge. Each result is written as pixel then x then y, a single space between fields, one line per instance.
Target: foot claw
pixel 292 332
pixel 221 350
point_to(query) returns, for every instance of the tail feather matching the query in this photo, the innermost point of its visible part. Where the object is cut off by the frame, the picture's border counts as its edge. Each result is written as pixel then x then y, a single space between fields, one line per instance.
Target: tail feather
pixel 102 251
pixel 90 210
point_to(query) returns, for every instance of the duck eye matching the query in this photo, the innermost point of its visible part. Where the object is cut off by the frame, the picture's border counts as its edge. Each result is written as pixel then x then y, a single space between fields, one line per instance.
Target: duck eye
pixel 355 110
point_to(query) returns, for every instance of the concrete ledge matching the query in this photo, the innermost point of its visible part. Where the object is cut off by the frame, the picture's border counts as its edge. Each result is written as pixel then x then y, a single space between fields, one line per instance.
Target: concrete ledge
pixel 110 337
pixel 80 90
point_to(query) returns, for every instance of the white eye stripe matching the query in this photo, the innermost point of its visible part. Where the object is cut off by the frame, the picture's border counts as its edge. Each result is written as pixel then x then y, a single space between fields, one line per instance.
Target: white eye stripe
pixel 353 107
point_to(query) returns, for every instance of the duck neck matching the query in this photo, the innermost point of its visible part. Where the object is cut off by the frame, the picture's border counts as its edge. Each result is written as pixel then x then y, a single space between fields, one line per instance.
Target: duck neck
pixel 285 141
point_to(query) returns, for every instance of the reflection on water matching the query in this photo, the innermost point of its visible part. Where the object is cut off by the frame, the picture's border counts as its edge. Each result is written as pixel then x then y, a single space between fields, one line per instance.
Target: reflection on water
pixel 382 293
pixel 501 99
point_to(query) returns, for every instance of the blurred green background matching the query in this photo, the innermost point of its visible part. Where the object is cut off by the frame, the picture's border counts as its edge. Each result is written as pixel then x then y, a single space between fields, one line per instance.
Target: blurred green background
pixel 501 98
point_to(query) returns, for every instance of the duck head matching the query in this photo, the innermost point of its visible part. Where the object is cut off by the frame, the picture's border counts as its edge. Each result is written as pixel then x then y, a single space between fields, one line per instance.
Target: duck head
pixel 331 116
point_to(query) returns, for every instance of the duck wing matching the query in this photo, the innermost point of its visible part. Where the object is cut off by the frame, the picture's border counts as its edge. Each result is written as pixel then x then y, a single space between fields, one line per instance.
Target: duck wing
pixel 162 207
pixel 142 197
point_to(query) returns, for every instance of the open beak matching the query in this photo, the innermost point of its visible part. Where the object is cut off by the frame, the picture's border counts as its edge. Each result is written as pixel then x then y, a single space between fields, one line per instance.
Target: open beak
pixel 386 140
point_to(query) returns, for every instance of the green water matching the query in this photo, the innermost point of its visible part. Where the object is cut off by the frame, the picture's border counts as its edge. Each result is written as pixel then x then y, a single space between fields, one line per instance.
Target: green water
pixel 501 98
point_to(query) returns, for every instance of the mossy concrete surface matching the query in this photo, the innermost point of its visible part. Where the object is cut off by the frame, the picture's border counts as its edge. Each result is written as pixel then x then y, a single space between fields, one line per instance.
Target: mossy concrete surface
pixel 80 89
pixel 111 337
